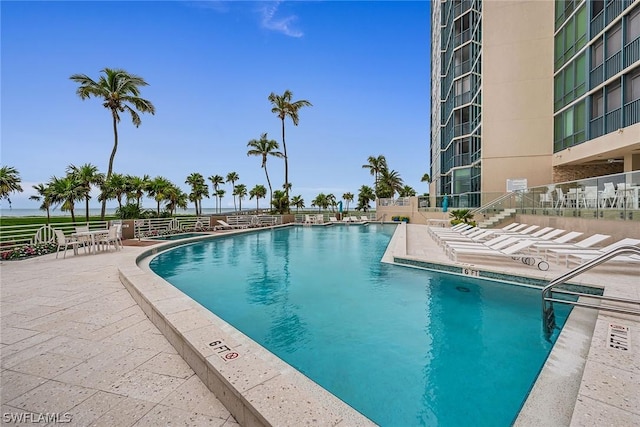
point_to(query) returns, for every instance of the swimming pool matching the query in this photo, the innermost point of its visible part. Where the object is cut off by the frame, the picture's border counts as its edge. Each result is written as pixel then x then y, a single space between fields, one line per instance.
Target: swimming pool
pixel 404 347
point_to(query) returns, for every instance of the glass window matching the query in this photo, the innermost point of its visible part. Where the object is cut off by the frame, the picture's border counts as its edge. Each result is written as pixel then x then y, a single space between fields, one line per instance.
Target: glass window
pixel 559 53
pixel 568 79
pixel 581 74
pixel 570 38
pixel 597 54
pixel 633 87
pixel 614 98
pixel 614 41
pixel 568 122
pixel 580 110
pixel 597 105
pixel 596 7
pixel 581 27
pixel 559 87
pixel 633 25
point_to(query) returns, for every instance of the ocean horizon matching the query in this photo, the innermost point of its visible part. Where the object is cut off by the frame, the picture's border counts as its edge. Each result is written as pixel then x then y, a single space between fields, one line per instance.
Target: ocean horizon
pixel 19 212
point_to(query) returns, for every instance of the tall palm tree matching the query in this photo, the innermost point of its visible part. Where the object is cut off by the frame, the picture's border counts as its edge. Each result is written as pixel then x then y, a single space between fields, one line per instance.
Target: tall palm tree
pixel 298 202
pixel 232 177
pixel 320 201
pixel 389 184
pixel 280 201
pixel 175 198
pixel 158 189
pixel 9 182
pixel 407 191
pixel 220 194
pixel 136 187
pixel 284 107
pixel 347 197
pixel 376 165
pixel 240 190
pixel 44 195
pixel 216 181
pixel 117 88
pixel 87 175
pixel 258 192
pixel 426 178
pixel 331 201
pixel 199 189
pixel 264 147
pixel 65 192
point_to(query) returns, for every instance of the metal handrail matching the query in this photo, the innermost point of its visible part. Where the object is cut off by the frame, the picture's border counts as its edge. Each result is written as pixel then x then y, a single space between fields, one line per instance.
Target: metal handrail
pixel 494 202
pixel 548 316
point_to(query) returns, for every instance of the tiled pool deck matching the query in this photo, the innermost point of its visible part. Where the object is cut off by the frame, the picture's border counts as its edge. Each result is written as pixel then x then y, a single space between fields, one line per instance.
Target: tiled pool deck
pixel 73 340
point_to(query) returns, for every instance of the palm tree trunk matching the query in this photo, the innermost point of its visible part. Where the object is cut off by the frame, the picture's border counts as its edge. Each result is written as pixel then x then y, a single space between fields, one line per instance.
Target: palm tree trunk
pixel 86 199
pixel 270 189
pixel 113 156
pixel 286 163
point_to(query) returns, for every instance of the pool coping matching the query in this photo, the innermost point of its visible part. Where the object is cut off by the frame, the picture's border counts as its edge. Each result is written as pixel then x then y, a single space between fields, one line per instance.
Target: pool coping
pixel 257 387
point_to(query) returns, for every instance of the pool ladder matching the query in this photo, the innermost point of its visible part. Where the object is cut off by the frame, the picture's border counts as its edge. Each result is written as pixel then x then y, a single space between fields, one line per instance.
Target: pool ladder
pixel 619 305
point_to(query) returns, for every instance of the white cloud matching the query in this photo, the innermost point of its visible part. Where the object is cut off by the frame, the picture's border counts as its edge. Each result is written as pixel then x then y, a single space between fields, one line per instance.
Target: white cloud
pixel 271 20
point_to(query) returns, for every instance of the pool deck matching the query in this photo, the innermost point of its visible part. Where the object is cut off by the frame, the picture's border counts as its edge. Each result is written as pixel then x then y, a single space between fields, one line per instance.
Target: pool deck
pixel 101 340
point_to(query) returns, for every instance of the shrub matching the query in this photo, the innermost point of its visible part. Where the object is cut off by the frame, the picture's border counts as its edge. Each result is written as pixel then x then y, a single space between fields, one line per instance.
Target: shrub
pixel 28 251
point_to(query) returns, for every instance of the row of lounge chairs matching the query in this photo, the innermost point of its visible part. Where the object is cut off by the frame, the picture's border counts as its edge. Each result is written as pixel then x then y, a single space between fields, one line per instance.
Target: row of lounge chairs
pixel 530 244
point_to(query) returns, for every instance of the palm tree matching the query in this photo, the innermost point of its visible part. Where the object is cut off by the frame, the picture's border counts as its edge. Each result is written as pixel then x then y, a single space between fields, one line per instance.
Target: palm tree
pixel 258 192
pixel 87 175
pixel 426 178
pixel 389 184
pixel 280 201
pixel 240 190
pixel 176 198
pixel 65 192
pixel 264 147
pixel 157 189
pixel 365 196
pixel 199 189
pixel 136 186
pixel 232 177
pixel 44 194
pixel 216 181
pixel 117 88
pixel 320 201
pixel 298 202
pixel 407 191
pixel 375 166
pixel 331 201
pixel 9 182
pixel 347 197
pixel 114 188
pixel 220 194
pixel 284 107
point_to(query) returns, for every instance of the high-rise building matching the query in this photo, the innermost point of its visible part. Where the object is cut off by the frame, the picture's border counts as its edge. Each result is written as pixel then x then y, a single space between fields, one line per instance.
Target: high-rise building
pixel 537 90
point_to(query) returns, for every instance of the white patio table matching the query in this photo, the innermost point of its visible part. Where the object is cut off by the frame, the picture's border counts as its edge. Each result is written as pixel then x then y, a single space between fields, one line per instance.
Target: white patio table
pixel 92 236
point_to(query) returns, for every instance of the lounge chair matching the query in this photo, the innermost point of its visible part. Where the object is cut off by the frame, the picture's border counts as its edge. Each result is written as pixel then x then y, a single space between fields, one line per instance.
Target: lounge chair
pixel 333 219
pixel 364 218
pixel 515 251
pixel 589 242
pixel 582 255
pixel 224 226
pixel 66 243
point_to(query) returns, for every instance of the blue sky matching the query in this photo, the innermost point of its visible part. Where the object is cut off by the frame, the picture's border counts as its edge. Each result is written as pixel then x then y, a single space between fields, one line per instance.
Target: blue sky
pixel 210 67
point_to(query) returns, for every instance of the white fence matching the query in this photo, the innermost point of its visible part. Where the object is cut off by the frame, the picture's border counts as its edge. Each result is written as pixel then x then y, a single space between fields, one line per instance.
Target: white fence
pixel 13 236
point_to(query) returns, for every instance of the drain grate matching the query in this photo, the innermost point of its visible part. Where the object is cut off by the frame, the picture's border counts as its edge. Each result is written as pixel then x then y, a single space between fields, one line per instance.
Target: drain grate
pixel 618 337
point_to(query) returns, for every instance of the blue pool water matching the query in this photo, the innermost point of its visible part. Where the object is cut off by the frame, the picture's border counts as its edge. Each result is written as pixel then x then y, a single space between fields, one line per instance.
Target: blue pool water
pixel 405 347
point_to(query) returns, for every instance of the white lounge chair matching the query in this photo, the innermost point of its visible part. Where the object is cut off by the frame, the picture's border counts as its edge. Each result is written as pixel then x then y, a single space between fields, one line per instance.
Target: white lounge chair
pixel 580 256
pixel 515 250
pixel 364 218
pixel 544 248
pixel 333 219
pixel 66 243
pixel 224 226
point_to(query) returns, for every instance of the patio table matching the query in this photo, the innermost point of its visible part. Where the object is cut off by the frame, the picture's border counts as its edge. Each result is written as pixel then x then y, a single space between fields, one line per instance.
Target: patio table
pixel 92 237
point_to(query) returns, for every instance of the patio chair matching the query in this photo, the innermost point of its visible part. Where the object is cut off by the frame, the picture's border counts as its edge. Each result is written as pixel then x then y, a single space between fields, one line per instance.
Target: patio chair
pixel 608 197
pixel 224 226
pixel 561 199
pixel 111 238
pixel 66 243
pixel 85 240
pixel 589 242
pixel 364 218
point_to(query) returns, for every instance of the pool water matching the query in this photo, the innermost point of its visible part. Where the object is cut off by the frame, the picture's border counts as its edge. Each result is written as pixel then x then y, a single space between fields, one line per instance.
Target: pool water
pixel 405 347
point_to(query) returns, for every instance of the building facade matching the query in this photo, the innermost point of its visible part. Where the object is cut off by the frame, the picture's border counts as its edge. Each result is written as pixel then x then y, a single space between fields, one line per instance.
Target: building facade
pixel 539 91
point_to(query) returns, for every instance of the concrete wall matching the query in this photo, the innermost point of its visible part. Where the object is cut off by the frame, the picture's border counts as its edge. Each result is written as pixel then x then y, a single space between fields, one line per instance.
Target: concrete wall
pixel 517 91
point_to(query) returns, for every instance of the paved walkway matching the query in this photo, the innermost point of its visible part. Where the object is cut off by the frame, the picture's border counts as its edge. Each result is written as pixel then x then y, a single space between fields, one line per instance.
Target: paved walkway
pixel 74 345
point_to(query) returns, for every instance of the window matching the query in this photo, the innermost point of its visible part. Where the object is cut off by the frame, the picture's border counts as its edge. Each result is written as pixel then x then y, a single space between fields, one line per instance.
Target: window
pixel 633 25
pixel 633 87
pixel 597 54
pixel 597 105
pixel 614 97
pixel 568 122
pixel 596 7
pixel 614 41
